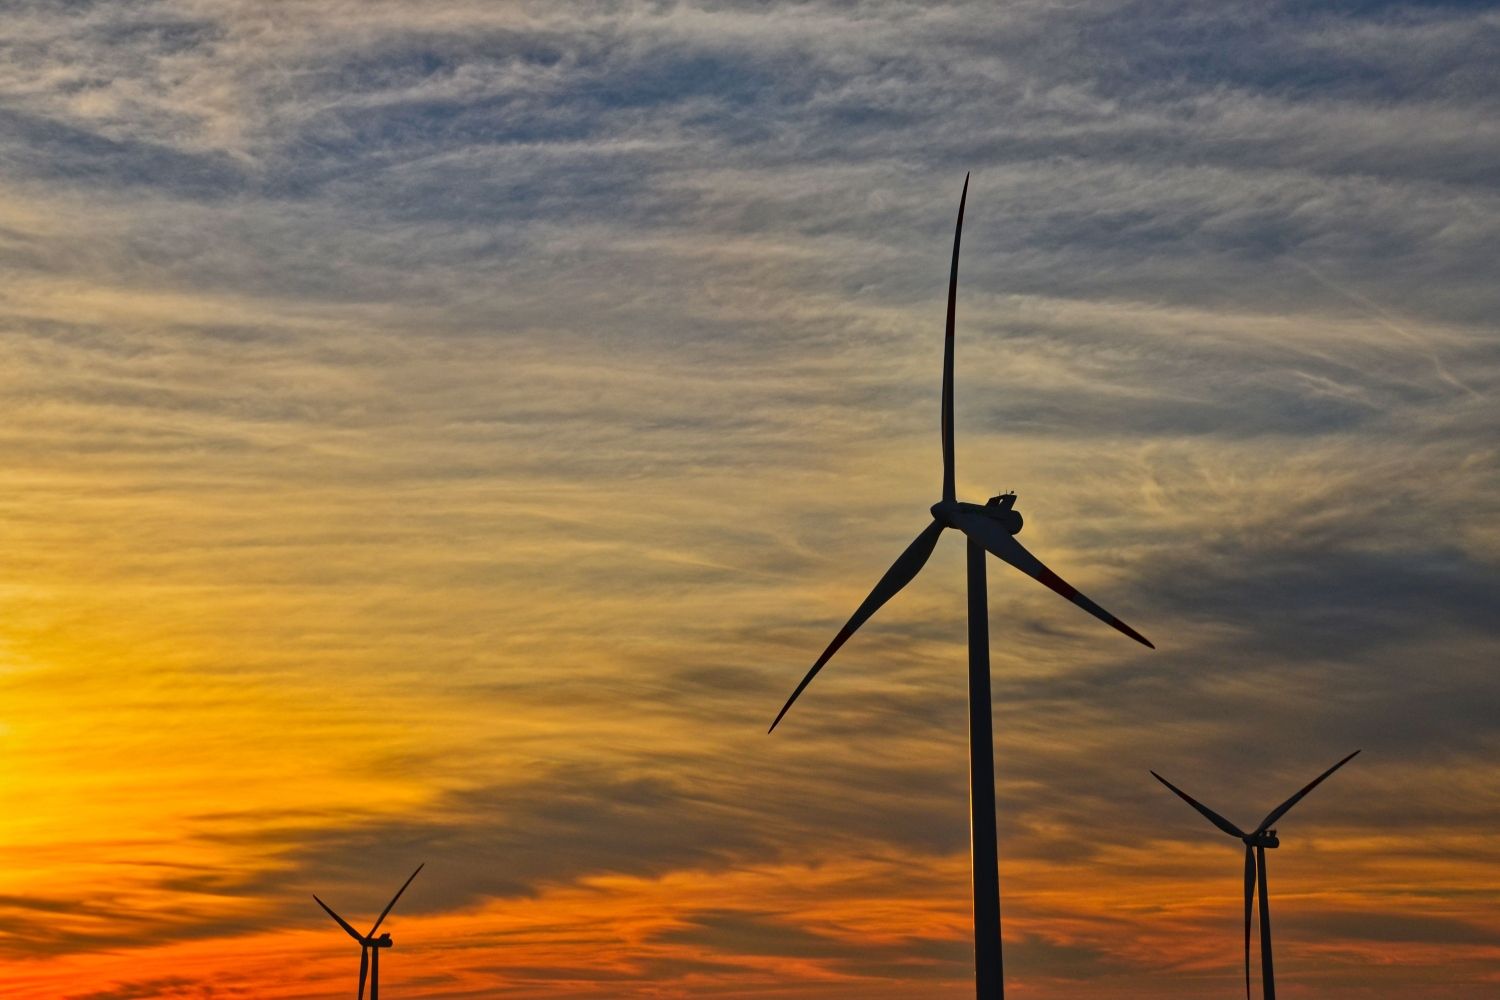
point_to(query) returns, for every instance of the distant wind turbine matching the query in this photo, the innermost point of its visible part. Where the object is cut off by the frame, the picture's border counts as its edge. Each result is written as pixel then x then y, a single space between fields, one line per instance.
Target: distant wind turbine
pixel 989 528
pixel 369 944
pixel 1256 843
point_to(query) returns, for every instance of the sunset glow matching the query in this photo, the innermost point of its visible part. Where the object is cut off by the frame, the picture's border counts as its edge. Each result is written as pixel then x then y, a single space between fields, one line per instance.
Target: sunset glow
pixel 445 432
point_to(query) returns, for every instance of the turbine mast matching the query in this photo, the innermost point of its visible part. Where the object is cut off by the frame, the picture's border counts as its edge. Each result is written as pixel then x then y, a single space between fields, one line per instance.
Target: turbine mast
pixel 989 976
pixel 1267 973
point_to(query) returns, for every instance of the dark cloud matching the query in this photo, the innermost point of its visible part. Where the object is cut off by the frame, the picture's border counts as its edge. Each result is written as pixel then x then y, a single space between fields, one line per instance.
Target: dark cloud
pixel 1035 956
pixel 732 933
pixel 56 150
pixel 756 934
pixel 516 839
pixel 1326 602
pixel 146 989
pixel 1314 925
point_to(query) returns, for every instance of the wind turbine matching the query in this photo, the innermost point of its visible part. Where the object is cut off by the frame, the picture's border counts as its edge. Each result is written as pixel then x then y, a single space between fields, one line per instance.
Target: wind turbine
pixel 1256 844
pixel 369 944
pixel 989 528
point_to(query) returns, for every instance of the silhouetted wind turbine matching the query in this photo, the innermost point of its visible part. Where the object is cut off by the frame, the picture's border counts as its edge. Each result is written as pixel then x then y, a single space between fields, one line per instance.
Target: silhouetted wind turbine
pixel 989 528
pixel 1256 843
pixel 369 944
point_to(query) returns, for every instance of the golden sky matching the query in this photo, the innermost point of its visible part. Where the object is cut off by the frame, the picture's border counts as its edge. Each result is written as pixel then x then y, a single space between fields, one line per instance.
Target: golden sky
pixel 446 432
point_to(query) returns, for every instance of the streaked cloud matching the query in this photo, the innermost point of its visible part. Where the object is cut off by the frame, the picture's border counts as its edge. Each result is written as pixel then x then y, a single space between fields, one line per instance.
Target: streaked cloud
pixel 445 432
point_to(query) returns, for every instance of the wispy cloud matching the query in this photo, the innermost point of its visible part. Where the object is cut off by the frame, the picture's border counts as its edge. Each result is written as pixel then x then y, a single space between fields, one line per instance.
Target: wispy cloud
pixel 445 431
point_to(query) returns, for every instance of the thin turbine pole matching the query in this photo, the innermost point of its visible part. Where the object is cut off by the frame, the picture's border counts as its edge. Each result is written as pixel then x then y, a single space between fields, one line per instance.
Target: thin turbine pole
pixel 989 977
pixel 1267 975
pixel 375 973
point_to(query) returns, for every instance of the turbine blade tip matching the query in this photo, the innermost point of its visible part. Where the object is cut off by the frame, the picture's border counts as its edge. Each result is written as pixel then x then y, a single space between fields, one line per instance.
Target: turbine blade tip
pixel 1127 630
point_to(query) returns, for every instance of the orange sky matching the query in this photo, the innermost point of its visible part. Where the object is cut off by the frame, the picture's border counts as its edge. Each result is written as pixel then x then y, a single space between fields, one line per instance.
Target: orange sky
pixel 445 433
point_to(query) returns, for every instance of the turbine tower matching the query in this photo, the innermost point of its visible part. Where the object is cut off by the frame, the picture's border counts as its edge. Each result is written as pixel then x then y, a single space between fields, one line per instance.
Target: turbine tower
pixel 369 944
pixel 991 528
pixel 1256 844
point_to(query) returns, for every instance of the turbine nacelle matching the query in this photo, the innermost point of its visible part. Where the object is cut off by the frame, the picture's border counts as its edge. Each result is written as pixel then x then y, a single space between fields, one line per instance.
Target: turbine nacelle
pixel 1262 838
pixel 384 941
pixel 1000 509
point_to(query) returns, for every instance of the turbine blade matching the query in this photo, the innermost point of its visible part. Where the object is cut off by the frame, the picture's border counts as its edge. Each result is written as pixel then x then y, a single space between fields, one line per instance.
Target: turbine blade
pixel 342 922
pixel 364 969
pixel 1003 545
pixel 902 571
pixel 1249 901
pixel 1281 810
pixel 949 490
pixel 1209 814
pixel 393 900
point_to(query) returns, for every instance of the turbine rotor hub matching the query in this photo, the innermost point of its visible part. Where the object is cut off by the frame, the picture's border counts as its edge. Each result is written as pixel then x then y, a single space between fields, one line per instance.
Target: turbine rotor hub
pixel 943 512
pixel 1266 839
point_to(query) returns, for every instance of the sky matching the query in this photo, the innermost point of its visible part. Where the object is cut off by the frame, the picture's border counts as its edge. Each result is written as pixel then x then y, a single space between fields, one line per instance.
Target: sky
pixel 445 432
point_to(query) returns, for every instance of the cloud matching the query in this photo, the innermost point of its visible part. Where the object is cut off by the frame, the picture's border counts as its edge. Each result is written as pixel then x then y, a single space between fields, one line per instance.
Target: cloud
pixel 170 986
pixel 448 431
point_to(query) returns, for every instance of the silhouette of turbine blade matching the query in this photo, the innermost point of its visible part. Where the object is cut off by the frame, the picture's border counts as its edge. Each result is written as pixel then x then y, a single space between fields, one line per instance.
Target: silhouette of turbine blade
pixel 393 900
pixel 1208 814
pixel 364 969
pixel 1281 810
pixel 1003 545
pixel 949 490
pixel 341 921
pixel 1249 902
pixel 902 572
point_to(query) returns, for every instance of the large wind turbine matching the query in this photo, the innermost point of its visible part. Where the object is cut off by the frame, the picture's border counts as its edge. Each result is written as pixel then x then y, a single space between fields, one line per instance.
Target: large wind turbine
pixel 1256 843
pixel 369 944
pixel 989 528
